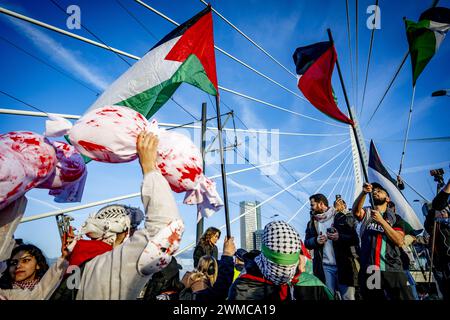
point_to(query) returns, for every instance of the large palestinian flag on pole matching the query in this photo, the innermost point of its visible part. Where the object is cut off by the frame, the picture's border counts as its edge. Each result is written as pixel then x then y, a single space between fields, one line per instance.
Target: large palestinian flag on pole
pixel 184 55
pixel 425 37
pixel 378 173
pixel 314 66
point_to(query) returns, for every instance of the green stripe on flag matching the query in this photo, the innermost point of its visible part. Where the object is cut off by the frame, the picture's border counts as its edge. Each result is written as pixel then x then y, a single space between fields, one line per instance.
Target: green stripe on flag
pixel 150 101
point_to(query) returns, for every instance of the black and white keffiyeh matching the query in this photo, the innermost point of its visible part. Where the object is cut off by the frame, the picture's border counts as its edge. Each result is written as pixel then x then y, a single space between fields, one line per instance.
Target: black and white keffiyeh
pixel 281 247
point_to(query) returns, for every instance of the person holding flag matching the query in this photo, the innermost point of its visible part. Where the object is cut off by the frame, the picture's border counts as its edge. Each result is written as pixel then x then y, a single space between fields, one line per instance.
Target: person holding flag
pixel 382 235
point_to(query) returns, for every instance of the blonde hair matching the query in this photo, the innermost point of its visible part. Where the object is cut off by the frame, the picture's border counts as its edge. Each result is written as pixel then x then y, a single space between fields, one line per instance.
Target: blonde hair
pixel 201 271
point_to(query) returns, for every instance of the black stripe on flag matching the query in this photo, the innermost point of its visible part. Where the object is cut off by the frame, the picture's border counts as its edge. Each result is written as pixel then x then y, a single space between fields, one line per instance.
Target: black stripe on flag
pixel 436 14
pixel 181 29
pixel 304 57
pixel 375 163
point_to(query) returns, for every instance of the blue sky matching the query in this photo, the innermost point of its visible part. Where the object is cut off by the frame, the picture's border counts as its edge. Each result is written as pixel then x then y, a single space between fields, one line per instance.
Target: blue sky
pixel 279 27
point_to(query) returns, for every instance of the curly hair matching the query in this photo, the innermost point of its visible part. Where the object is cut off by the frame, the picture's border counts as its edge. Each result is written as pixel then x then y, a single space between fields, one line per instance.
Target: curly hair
pixel 6 280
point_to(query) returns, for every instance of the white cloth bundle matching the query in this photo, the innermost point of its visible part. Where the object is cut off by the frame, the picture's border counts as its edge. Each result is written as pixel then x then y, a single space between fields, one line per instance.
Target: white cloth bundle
pixel 26 160
pixel 109 134
pixel 67 181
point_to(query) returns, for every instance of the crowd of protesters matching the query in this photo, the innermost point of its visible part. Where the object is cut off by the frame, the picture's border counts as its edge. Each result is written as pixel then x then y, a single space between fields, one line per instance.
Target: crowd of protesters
pixel 120 261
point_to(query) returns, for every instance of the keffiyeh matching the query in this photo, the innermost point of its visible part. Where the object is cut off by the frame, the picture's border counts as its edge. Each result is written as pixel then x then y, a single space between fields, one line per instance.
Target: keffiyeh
pixel 280 251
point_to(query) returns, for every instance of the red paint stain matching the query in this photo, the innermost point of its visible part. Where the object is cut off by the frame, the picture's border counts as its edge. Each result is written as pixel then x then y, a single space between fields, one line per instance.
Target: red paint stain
pixel 189 173
pixel 89 146
pixel 14 191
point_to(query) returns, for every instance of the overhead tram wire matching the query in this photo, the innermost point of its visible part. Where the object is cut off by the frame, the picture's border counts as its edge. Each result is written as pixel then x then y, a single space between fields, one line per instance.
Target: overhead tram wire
pixel 225 53
pixel 249 39
pixel 118 55
pixel 350 51
pixel 97 44
pixel 320 187
pixel 21 101
pixel 49 65
pixel 368 60
pixel 284 168
pixel 271 197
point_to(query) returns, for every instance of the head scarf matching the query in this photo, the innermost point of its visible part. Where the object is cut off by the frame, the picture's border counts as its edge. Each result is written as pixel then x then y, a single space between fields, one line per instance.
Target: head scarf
pixel 110 221
pixel 280 251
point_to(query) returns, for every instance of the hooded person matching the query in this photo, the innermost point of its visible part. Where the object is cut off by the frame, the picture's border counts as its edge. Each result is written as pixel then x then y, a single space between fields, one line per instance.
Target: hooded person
pixel 267 275
pixel 117 263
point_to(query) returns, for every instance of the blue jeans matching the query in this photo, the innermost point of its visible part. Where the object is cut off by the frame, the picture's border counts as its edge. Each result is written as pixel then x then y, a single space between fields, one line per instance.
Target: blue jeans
pixel 331 281
pixel 412 284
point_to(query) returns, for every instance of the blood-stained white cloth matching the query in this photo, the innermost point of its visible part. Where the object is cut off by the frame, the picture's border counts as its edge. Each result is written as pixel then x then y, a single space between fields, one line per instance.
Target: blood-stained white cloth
pixel 26 160
pixel 67 181
pixel 109 134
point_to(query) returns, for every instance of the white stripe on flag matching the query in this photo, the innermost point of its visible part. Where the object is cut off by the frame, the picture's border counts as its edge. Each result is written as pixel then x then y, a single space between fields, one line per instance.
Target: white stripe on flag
pixel 402 206
pixel 148 72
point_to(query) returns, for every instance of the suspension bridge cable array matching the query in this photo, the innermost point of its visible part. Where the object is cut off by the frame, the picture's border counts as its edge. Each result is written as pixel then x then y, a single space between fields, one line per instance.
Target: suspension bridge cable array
pixel 100 45
pixel 368 59
pixel 320 187
pixel 350 51
pixel 270 198
pixel 350 160
pixel 249 39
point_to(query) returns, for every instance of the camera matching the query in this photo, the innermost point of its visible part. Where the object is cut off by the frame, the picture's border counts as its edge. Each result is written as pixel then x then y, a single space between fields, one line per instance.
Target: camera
pixel 331 230
pixel 436 172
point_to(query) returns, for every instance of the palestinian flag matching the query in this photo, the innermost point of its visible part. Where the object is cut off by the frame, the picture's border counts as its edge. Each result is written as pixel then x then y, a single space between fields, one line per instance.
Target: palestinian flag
pixel 378 173
pixel 425 36
pixel 184 55
pixel 314 66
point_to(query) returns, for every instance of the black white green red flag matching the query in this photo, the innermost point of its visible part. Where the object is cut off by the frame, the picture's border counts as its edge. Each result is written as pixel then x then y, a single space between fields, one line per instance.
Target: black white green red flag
pixel 314 66
pixel 378 173
pixel 425 37
pixel 186 54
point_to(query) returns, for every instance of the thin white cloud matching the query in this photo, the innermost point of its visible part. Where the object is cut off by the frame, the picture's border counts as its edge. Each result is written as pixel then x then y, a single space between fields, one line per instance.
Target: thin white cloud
pixel 426 167
pixel 64 57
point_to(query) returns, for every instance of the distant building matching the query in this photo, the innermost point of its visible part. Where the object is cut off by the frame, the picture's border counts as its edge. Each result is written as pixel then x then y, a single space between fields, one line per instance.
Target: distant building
pixel 257 239
pixel 249 223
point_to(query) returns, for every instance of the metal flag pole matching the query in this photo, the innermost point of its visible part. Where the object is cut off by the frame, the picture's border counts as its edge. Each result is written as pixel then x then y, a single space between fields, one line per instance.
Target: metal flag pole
pixel 202 149
pixel 222 166
pixel 407 130
pixel 358 143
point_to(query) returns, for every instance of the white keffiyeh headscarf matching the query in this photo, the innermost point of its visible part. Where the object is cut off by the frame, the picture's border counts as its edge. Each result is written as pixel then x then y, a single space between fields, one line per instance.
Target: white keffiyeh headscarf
pixel 110 221
pixel 280 251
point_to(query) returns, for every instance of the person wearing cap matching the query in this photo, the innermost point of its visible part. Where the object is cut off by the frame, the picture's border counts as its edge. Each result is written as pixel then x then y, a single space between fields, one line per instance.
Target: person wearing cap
pixel 382 235
pixel 116 263
pixel 239 262
pixel 331 233
pixel 268 274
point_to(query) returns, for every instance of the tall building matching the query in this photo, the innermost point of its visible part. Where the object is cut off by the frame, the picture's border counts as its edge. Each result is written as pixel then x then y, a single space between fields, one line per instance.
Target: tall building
pixel 257 239
pixel 249 223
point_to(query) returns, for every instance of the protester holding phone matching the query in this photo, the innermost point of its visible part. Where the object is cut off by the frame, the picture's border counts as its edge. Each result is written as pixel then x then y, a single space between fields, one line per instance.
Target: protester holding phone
pixel 332 236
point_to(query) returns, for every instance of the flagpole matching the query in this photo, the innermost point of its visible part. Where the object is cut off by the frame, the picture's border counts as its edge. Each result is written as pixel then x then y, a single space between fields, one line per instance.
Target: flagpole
pixel 407 129
pixel 358 143
pixel 200 222
pixel 222 166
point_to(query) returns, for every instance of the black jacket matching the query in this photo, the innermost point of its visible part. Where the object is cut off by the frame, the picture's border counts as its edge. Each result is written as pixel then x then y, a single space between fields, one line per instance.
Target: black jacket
pixel 346 249
pixel 442 241
pixel 219 291
pixel 204 250
pixel 253 289
pixel 166 280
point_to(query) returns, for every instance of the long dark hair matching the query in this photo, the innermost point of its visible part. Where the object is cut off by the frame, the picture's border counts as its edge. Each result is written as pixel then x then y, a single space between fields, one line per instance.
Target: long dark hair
pixel 6 280
pixel 206 237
